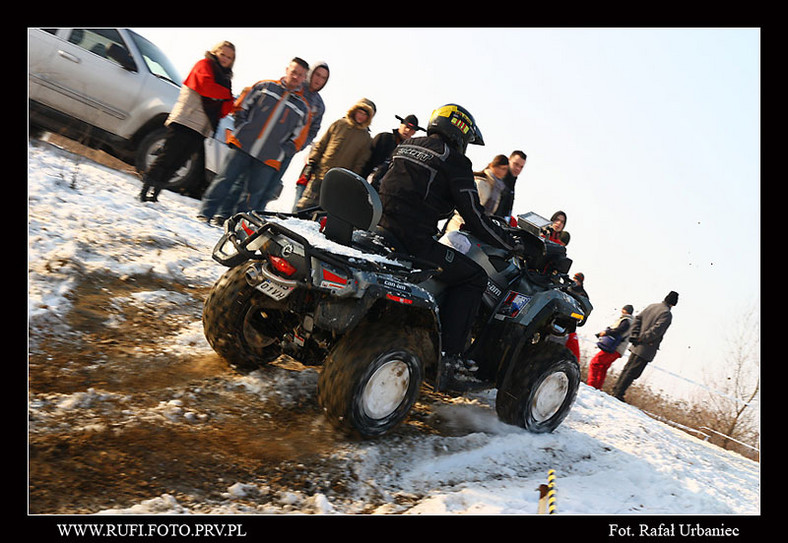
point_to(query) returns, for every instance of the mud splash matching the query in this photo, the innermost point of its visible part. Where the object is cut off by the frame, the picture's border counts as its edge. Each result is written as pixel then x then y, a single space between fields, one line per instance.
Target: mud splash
pixel 114 419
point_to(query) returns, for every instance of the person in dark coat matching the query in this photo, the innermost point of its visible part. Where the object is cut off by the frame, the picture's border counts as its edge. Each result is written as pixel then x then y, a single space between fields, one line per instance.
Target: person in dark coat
pixel 428 179
pixel 316 81
pixel 648 330
pixel 383 146
pixel 572 340
pixel 506 203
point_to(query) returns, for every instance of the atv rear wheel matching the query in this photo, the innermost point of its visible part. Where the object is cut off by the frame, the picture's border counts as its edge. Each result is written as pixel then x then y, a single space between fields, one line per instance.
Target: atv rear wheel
pixel 244 326
pixel 541 390
pixel 372 378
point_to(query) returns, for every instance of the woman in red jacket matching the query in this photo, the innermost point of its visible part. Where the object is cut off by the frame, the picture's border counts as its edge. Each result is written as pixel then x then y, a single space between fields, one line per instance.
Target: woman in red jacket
pixel 206 96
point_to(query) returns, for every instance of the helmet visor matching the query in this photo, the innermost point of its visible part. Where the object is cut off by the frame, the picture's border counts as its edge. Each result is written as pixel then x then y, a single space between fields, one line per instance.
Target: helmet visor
pixel 476 137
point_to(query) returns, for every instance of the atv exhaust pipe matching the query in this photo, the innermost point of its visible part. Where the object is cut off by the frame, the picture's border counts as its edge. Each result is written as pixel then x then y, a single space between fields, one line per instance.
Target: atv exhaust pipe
pixel 259 276
pixel 254 274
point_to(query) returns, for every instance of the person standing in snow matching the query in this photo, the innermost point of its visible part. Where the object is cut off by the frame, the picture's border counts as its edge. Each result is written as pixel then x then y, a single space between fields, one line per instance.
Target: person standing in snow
pixel 572 342
pixel 344 145
pixel 506 202
pixel 315 82
pixel 206 96
pixel 648 330
pixel 489 185
pixel 618 332
pixel 383 146
pixel 271 121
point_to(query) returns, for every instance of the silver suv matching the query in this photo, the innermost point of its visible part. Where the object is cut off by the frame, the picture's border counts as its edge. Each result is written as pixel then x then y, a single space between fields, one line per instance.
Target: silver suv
pixel 109 88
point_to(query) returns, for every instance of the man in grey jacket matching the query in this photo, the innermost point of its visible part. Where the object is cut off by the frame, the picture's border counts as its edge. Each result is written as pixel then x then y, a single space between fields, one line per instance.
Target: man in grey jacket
pixel 271 125
pixel 647 332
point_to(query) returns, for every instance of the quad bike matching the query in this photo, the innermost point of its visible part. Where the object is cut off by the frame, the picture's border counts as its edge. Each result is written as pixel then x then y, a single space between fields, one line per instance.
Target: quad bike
pixel 335 292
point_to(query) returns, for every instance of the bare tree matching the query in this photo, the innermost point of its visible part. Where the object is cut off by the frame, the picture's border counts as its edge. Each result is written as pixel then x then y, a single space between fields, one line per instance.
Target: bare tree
pixel 734 406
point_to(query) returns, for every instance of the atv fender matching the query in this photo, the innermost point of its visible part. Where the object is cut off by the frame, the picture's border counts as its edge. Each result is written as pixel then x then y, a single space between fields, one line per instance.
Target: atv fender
pixel 540 312
pixel 385 298
pixel 535 309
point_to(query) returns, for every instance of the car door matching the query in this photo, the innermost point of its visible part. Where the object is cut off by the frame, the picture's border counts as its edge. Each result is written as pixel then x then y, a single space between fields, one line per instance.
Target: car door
pixel 84 77
pixel 41 43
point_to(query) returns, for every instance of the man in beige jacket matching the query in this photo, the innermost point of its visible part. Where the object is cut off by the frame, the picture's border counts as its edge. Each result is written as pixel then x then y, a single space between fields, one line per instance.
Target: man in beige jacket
pixel 346 144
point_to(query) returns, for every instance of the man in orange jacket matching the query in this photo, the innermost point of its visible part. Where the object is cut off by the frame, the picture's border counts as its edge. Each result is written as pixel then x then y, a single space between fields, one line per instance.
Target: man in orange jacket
pixel 269 128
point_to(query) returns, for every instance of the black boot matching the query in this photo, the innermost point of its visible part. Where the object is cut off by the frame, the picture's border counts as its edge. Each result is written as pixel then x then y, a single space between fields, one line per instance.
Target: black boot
pixel 154 197
pixel 149 185
pixel 457 374
pixel 144 193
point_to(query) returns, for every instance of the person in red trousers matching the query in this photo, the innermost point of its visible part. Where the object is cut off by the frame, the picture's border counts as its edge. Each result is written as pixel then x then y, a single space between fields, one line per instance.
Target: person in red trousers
pixel 610 352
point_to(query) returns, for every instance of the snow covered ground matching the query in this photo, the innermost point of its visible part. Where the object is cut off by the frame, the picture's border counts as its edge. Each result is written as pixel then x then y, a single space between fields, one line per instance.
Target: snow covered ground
pixel 609 458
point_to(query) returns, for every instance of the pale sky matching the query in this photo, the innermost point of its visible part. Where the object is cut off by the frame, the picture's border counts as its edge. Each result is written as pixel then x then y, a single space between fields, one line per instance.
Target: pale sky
pixel 648 138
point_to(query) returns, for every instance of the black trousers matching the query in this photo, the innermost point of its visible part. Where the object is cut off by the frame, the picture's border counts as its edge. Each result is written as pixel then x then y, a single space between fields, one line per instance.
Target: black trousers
pixel 179 145
pixel 632 370
pixel 466 282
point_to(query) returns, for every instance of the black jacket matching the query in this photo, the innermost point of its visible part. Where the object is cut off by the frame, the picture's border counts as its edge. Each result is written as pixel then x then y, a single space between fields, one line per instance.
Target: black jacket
pixel 425 183
pixel 506 203
pixel 382 146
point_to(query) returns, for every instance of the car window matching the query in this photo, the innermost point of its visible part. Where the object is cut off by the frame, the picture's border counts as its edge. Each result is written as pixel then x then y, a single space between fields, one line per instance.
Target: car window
pixel 97 40
pixel 155 59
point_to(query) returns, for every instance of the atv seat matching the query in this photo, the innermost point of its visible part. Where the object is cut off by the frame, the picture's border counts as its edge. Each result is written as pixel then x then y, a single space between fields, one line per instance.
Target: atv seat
pixel 350 203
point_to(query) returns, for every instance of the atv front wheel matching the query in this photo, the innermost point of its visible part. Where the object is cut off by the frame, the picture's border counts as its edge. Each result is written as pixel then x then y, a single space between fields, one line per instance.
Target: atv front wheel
pixel 372 378
pixel 541 390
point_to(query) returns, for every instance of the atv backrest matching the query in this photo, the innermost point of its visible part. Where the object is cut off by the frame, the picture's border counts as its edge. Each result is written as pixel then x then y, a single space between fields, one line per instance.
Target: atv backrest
pixel 349 202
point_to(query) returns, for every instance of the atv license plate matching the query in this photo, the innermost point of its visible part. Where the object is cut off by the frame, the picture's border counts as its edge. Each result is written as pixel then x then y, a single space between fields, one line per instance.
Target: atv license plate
pixel 274 290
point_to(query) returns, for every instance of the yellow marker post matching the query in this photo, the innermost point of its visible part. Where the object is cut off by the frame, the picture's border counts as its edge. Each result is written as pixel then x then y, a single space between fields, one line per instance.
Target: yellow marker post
pixel 547 495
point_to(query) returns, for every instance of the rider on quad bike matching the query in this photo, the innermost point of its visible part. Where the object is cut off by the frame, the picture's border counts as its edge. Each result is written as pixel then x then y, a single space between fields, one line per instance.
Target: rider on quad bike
pixel 370 296
pixel 428 179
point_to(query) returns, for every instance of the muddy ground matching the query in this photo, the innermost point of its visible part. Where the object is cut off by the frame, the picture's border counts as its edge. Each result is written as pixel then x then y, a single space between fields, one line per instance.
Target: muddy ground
pixel 115 419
